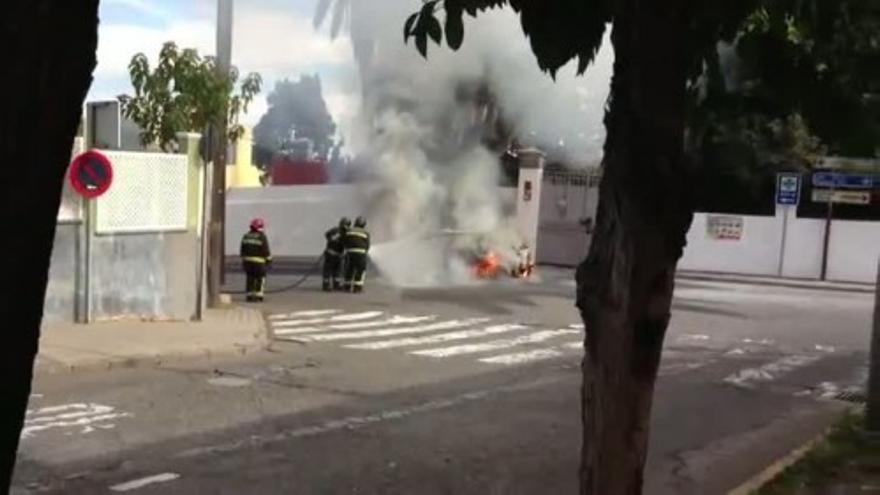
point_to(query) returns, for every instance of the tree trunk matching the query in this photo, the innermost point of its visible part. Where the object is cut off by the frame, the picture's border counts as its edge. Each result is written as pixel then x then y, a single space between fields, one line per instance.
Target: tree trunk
pixel 625 285
pixel 49 57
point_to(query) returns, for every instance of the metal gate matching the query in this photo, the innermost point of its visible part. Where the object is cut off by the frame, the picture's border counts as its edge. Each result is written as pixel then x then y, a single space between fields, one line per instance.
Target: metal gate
pixel 568 211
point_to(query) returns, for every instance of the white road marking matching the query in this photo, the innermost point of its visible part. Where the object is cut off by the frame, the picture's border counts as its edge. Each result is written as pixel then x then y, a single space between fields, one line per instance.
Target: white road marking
pixel 332 319
pixel 394 320
pixel 67 416
pixel 769 371
pixel 758 342
pixel 495 345
pixel 435 339
pixel 577 326
pixel 522 357
pixel 574 345
pixel 694 336
pixel 300 314
pixel 95 409
pixel 386 332
pixel 825 348
pixel 142 482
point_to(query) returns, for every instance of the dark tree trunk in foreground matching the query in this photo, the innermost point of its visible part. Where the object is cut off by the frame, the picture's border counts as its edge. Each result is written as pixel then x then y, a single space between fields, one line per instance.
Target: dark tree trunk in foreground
pixel 49 48
pixel 625 285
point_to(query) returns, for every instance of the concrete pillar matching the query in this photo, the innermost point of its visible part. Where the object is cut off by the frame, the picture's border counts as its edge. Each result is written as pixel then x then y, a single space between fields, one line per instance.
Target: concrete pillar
pixel 188 144
pixel 528 201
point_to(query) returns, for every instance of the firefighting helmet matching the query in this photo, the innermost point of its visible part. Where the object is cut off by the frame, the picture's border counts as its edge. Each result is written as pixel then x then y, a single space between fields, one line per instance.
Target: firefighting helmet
pixel 360 222
pixel 257 224
pixel 345 222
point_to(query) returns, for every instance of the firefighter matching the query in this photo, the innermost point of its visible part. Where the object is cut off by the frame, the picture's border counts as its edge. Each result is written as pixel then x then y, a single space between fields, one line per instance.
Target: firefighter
pixel 357 245
pixel 333 255
pixel 255 259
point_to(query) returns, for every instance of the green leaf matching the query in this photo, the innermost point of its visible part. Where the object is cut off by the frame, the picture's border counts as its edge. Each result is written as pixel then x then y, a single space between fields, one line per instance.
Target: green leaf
pixel 422 43
pixel 434 29
pixel 408 27
pixel 454 27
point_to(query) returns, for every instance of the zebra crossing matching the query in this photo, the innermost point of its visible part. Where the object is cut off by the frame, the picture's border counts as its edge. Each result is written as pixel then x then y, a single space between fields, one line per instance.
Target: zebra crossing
pixel 429 336
pixel 505 343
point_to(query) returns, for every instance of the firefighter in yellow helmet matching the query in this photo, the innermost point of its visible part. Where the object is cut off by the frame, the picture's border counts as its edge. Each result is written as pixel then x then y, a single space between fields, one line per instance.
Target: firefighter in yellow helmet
pixel 255 259
pixel 333 255
pixel 357 245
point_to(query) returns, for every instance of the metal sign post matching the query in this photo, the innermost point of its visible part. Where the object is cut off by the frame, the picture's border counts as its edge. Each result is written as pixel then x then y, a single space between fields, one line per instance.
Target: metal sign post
pixel 788 194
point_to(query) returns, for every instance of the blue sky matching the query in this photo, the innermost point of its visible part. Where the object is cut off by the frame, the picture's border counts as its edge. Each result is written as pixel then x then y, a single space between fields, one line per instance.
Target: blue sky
pixel 272 37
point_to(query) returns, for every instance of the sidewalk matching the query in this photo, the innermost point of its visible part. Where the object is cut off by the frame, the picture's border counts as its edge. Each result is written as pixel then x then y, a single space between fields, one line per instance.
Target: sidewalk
pixel 132 343
pixel 775 281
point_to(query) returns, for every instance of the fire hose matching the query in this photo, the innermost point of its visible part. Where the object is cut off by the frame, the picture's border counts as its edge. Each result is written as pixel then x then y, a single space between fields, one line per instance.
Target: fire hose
pixel 313 269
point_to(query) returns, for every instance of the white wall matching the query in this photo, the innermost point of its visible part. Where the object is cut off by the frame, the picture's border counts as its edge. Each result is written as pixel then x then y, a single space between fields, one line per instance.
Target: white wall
pixel 854 247
pixel 803 247
pixel 756 253
pixel 296 216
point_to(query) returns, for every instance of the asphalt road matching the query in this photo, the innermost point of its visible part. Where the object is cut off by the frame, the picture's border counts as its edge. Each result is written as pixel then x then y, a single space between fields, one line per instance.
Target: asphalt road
pixel 471 390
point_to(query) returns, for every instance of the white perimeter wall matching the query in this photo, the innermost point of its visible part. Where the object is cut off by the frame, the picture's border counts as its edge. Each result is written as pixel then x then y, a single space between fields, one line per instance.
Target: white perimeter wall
pixel 853 248
pixel 298 216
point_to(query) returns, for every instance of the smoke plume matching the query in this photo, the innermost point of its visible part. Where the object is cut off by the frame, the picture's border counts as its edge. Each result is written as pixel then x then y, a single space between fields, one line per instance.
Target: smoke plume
pixel 421 126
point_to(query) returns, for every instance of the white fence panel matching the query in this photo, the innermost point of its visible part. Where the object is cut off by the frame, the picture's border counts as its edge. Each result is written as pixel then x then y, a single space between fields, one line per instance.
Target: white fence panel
pixel 149 194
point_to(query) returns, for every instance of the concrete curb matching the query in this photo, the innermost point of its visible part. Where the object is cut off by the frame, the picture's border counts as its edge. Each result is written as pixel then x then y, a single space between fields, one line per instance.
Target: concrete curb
pixel 155 361
pixel 260 342
pixel 793 284
pixel 776 468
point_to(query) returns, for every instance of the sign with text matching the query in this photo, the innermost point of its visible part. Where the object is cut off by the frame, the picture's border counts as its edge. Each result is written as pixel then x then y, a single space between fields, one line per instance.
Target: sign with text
pixel 839 180
pixel 724 227
pixel 788 189
pixel 847 197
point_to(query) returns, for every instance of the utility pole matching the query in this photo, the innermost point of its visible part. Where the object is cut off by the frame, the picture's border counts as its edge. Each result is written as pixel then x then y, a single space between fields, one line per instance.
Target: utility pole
pixel 872 416
pixel 219 146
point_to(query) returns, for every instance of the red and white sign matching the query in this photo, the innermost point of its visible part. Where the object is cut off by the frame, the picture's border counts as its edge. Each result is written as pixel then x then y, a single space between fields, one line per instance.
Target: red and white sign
pixel 91 174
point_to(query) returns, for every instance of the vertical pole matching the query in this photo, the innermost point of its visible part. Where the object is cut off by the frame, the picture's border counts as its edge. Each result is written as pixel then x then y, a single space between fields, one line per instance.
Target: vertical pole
pixel 872 416
pixel 785 210
pixel 829 215
pixel 218 152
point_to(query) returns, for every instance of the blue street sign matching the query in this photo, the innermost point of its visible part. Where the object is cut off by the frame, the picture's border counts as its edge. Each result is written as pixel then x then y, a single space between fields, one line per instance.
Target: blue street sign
pixel 788 189
pixel 838 180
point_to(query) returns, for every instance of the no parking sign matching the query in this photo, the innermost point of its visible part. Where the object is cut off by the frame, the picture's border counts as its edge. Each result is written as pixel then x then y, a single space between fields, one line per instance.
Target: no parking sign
pixel 91 174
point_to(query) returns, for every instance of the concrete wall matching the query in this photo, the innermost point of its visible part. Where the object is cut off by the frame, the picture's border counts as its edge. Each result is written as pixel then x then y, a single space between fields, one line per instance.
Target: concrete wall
pixel 854 248
pixel 151 276
pixel 804 242
pixel 756 253
pixel 61 292
pixel 298 216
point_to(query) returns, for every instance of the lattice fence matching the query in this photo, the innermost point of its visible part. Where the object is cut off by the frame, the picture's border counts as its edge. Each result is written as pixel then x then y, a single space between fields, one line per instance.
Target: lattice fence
pixel 586 177
pixel 149 194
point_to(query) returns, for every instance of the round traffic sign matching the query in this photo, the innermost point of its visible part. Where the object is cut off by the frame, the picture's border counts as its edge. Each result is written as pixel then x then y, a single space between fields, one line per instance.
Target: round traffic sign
pixel 91 174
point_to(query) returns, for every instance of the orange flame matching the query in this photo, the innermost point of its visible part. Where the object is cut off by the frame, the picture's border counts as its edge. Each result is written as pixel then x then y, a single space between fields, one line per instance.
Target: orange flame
pixel 488 266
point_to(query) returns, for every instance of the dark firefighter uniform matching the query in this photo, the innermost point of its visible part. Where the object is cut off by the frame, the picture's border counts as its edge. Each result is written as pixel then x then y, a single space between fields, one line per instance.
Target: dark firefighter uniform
pixel 357 245
pixel 333 255
pixel 255 258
